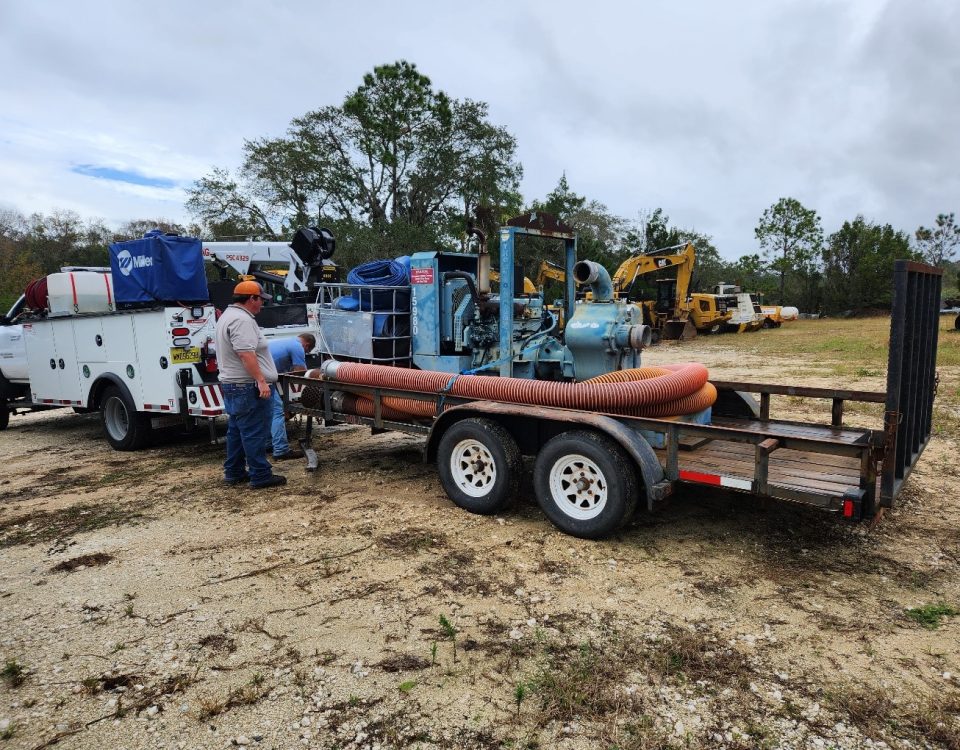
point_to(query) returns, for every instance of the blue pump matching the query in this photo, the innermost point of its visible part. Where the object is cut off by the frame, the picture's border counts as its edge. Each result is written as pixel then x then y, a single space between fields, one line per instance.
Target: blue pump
pixel 458 326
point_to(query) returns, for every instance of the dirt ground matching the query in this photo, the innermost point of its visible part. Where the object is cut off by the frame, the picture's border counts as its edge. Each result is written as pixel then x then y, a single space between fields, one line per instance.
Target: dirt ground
pixel 145 605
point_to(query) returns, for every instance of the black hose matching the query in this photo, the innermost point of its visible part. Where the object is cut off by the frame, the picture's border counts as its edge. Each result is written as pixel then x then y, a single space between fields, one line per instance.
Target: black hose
pixel 466 277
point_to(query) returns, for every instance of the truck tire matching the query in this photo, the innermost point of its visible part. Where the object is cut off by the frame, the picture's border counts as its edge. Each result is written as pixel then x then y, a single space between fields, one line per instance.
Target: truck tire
pixel 479 465
pixel 715 329
pixel 585 484
pixel 125 428
pixel 4 414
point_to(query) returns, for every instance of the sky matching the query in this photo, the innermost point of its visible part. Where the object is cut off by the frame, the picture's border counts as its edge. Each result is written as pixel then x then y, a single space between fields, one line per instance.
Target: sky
pixel 710 110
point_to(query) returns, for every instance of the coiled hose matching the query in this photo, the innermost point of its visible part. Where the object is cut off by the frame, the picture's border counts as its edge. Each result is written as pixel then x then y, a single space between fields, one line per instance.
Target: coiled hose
pixel 641 392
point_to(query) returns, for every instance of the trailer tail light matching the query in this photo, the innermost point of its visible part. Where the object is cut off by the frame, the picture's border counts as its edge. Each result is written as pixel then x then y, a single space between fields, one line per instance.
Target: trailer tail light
pixel 851 506
pixel 181 331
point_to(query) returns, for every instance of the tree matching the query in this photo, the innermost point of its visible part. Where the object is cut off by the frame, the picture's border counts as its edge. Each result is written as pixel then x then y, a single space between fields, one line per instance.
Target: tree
pixel 791 237
pixel 858 265
pixel 397 158
pixel 40 244
pixel 938 245
pixel 136 228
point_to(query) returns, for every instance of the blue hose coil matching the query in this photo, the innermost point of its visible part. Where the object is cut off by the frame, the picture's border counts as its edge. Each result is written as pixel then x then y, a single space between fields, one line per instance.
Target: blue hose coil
pixel 380 273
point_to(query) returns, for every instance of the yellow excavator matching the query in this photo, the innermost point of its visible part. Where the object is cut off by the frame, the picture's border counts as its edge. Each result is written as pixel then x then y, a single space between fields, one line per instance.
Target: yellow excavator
pixel 528 286
pixel 674 313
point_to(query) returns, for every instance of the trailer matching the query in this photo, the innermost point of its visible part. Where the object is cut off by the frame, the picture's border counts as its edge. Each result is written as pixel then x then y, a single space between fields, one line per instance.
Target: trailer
pixel 592 470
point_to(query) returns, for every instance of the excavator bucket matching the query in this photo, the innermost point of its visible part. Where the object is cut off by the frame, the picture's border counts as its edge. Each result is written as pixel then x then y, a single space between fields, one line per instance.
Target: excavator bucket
pixel 678 330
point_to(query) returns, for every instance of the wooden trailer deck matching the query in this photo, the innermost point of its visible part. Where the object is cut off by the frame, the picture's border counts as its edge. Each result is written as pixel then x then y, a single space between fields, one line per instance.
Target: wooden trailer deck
pixel 796 469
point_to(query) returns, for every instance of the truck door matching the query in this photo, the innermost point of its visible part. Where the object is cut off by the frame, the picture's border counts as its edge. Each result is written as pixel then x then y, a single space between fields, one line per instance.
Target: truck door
pixel 52 362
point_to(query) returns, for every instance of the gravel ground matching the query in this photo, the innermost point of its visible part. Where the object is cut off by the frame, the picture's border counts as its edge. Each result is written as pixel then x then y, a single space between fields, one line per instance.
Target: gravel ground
pixel 144 605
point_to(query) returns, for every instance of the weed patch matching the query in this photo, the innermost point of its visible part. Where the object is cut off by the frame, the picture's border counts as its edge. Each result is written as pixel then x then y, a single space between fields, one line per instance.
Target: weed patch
pixel 412 541
pixel 14 674
pixel 47 526
pixel 402 663
pixel 93 560
pixel 930 615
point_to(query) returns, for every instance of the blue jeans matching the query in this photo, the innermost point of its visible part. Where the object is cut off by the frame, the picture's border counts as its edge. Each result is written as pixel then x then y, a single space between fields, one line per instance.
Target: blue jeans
pixel 247 429
pixel 278 425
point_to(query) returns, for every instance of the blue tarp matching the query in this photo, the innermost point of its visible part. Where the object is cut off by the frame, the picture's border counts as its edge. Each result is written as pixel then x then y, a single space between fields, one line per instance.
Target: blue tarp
pixel 158 268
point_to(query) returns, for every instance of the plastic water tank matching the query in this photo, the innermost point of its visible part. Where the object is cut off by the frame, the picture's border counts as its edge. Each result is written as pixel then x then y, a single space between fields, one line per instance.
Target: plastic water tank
pixel 789 313
pixel 75 292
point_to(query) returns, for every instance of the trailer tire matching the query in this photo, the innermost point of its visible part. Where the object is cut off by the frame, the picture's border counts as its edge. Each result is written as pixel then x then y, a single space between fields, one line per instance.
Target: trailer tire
pixel 125 428
pixel 479 465
pixel 608 496
pixel 4 414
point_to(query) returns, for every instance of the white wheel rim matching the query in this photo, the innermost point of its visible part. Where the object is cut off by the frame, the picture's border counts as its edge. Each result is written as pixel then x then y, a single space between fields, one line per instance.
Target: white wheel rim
pixel 578 487
pixel 117 419
pixel 473 468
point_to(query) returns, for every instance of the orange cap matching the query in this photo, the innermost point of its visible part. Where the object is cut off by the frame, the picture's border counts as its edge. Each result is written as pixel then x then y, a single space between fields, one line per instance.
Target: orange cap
pixel 250 287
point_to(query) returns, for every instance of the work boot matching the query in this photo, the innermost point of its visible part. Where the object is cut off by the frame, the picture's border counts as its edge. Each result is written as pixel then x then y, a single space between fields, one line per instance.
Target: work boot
pixel 275 480
pixel 292 453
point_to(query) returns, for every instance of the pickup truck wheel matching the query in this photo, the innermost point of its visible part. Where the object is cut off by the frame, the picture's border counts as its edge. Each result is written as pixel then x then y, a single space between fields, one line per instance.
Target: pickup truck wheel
pixel 126 429
pixel 585 484
pixel 4 414
pixel 479 465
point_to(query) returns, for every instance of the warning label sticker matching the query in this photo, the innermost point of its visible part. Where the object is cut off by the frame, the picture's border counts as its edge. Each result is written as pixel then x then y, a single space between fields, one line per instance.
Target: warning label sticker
pixel 421 275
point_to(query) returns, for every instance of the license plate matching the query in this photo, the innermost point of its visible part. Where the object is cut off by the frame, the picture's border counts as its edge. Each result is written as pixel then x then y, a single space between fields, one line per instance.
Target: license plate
pixel 185 356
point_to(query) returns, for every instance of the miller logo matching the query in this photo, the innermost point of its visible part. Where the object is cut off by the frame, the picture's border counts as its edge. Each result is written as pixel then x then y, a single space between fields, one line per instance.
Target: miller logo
pixel 127 262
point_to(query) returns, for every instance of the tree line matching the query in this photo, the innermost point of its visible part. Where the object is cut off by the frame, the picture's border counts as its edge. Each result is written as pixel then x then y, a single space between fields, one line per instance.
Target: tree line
pixel 400 167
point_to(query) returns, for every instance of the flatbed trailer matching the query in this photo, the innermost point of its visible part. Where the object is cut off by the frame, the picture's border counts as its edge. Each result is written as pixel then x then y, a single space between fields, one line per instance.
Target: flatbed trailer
pixel 592 469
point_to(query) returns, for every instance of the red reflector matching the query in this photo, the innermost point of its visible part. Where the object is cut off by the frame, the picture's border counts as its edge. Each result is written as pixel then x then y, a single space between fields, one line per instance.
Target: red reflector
pixel 848 508
pixel 181 332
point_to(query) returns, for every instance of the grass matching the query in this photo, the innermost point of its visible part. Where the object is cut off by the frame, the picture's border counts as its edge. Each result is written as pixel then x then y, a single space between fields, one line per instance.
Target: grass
pixel 930 615
pixel 863 341
pixel 877 714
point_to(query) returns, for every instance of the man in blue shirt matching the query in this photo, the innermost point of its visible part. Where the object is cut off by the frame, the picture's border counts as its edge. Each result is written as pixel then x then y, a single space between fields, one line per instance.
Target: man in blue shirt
pixel 289 355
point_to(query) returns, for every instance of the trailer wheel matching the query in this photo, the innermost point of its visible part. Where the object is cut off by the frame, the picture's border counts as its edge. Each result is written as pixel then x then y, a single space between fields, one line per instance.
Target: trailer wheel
pixel 585 484
pixel 126 429
pixel 479 465
pixel 4 414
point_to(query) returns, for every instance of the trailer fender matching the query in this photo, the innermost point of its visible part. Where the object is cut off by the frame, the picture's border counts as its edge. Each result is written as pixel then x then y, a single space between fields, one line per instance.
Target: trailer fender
pixel 532 426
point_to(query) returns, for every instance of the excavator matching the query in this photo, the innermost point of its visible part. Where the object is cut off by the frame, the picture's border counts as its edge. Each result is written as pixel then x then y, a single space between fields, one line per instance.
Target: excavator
pixel 674 313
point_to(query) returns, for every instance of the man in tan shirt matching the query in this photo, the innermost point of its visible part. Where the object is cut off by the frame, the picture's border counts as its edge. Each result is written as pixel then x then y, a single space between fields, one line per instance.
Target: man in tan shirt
pixel 247 375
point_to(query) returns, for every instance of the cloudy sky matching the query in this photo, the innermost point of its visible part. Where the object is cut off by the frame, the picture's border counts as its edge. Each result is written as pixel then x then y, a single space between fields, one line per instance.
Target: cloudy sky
pixel 711 110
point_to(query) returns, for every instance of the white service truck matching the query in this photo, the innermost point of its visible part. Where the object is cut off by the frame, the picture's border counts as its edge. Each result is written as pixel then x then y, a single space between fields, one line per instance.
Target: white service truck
pixel 140 368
